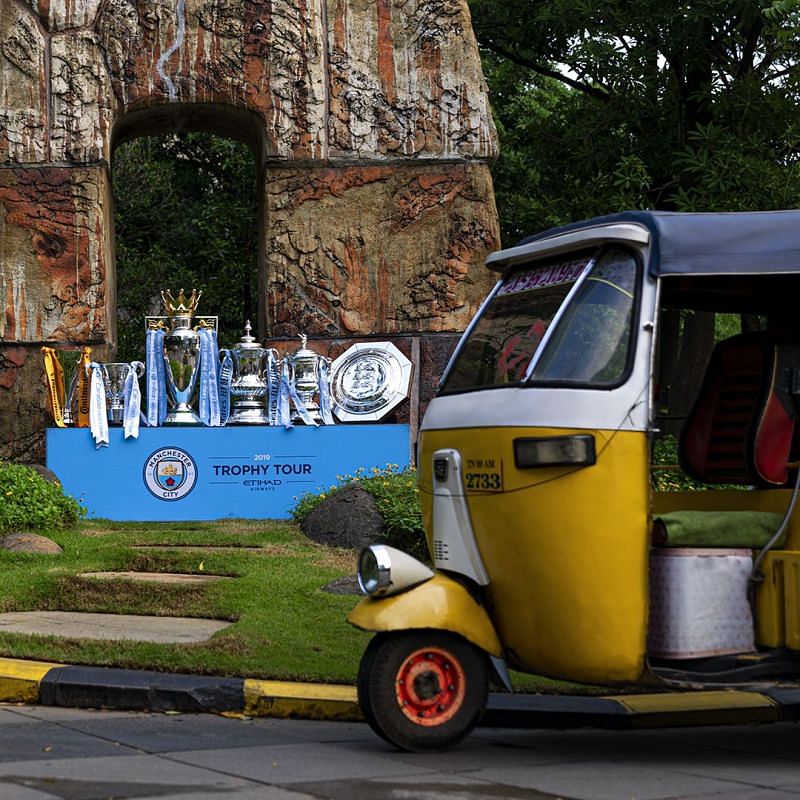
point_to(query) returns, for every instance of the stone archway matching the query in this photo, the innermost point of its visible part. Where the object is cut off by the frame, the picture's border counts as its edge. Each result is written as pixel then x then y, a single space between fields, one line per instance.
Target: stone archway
pixel 373 135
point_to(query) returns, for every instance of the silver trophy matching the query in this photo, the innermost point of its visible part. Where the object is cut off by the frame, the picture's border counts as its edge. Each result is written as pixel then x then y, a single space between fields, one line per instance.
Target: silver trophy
pixel 70 363
pixel 304 373
pixel 368 381
pixel 181 352
pixel 114 376
pixel 253 388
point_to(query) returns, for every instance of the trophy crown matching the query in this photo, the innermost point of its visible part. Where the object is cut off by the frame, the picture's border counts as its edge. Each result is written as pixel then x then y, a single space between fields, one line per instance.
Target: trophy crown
pixel 181 305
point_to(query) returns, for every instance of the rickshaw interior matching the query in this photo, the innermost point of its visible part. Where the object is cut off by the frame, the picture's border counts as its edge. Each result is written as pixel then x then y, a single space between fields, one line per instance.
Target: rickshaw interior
pixel 725 557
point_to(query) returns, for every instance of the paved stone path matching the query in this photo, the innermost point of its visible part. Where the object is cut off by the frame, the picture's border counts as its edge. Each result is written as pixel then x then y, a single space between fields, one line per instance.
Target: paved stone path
pixel 74 625
pixel 155 577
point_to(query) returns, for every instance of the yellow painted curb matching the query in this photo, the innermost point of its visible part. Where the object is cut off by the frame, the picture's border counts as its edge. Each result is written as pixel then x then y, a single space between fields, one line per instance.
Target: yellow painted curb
pixel 301 700
pixel 19 680
pixel 698 708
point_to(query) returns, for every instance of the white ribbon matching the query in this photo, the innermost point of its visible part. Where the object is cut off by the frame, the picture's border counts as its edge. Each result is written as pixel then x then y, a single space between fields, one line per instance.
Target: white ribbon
pixel 98 416
pixel 132 397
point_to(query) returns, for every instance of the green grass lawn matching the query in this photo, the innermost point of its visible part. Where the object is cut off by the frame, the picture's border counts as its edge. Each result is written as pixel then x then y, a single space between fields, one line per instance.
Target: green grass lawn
pixel 285 626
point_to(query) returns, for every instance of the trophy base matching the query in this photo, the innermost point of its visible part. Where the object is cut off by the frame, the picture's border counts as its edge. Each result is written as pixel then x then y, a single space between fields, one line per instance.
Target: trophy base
pixel 182 417
pixel 245 414
pixel 313 413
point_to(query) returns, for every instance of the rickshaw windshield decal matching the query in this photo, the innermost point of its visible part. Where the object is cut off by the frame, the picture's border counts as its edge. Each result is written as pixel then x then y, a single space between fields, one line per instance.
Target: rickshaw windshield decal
pixel 502 343
pixel 568 272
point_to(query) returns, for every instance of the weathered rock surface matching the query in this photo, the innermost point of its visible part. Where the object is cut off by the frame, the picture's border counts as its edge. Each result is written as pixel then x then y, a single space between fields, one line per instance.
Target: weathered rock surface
pixel 29 543
pixel 347 518
pixel 46 473
pixel 373 134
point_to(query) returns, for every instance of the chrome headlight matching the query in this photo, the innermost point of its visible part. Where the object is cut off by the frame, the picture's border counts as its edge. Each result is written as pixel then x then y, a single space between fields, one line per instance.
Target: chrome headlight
pixel 374 570
pixel 386 570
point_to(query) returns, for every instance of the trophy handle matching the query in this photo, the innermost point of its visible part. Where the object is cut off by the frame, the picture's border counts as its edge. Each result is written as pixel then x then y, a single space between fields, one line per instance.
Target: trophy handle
pixel 138 366
pixel 170 385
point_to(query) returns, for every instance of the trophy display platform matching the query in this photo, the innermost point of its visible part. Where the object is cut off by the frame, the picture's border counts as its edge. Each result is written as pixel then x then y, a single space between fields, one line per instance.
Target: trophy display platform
pixel 175 474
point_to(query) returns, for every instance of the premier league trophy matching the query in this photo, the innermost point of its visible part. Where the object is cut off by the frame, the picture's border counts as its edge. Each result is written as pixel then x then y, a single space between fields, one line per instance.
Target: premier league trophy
pixel 253 387
pixel 182 343
pixel 181 351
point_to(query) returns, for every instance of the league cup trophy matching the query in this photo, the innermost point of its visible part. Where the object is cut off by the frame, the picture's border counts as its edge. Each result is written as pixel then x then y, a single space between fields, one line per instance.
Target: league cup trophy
pixel 252 386
pixel 305 367
pixel 67 385
pixel 114 375
pixel 71 362
pixel 182 351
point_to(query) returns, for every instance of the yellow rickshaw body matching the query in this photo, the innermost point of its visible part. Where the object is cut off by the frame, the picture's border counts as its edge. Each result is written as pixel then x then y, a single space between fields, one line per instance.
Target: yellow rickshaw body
pixel 566 549
pixel 540 457
pixel 440 603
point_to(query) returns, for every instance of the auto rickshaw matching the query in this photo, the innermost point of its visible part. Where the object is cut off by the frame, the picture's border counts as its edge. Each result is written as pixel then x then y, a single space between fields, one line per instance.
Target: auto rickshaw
pixel 554 551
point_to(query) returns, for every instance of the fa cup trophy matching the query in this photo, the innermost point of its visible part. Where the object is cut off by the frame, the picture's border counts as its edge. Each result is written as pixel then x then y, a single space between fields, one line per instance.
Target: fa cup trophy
pixel 253 386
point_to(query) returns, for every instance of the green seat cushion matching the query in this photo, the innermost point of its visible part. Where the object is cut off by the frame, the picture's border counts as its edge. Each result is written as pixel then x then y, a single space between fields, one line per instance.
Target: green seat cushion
pixel 716 528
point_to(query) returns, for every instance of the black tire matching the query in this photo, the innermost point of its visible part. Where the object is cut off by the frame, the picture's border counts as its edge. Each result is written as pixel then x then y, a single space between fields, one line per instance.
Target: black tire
pixel 403 695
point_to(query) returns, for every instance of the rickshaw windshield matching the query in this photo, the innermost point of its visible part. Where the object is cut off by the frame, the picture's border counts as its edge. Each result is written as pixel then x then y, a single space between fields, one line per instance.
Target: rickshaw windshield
pixel 509 344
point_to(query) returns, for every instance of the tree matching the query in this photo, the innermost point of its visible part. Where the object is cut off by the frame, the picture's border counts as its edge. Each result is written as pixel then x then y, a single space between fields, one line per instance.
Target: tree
pixel 603 105
pixel 185 216
pixel 608 105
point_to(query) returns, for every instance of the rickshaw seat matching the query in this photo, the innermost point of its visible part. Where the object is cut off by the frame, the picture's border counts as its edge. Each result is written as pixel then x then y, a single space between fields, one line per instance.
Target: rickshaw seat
pixel 741 427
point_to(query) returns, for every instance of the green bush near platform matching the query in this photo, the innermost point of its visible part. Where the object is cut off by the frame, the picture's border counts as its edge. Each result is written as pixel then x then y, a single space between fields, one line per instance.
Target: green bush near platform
pixel 395 491
pixel 29 502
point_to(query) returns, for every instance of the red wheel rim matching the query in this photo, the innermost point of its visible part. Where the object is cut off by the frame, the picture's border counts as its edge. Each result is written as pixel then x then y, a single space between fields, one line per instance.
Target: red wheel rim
pixel 430 686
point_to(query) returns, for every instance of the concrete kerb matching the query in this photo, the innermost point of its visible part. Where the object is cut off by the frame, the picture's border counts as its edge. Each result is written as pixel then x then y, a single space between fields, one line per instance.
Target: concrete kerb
pixel 104 687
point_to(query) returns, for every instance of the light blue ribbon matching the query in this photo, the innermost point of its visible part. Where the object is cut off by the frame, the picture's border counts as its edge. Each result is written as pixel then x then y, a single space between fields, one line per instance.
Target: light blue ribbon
pixel 225 378
pixel 132 399
pixel 284 409
pixel 272 374
pixel 209 388
pixel 156 378
pixel 325 392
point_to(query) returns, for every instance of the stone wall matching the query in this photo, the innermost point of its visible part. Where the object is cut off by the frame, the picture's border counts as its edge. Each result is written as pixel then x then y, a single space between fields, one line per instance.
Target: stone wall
pixel 373 138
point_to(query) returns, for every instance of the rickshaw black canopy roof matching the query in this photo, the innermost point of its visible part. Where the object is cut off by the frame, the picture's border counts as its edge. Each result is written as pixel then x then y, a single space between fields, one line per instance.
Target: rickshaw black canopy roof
pixel 740 243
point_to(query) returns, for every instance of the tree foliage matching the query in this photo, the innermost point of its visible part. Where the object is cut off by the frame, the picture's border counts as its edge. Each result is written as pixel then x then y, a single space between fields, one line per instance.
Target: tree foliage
pixel 614 104
pixel 185 216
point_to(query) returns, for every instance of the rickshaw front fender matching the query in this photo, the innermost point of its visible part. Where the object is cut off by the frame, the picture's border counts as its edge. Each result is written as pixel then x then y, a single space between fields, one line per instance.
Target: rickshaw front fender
pixel 439 603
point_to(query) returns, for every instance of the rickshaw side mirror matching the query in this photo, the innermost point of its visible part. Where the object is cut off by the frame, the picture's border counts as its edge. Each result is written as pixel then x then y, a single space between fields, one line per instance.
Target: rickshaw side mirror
pixel 555 451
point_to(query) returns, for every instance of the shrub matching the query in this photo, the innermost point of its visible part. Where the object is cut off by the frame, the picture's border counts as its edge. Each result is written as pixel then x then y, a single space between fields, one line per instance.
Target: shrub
pixel 28 501
pixel 665 452
pixel 395 492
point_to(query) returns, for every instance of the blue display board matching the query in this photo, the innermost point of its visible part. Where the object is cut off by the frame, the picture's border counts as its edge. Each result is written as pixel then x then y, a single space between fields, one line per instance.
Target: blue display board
pixel 176 474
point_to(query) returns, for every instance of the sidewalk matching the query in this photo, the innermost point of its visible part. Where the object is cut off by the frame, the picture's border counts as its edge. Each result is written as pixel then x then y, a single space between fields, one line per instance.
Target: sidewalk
pixel 101 687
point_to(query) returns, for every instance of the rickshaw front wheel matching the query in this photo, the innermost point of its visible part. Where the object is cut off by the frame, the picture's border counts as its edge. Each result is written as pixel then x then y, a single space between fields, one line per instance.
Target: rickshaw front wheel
pixel 422 690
